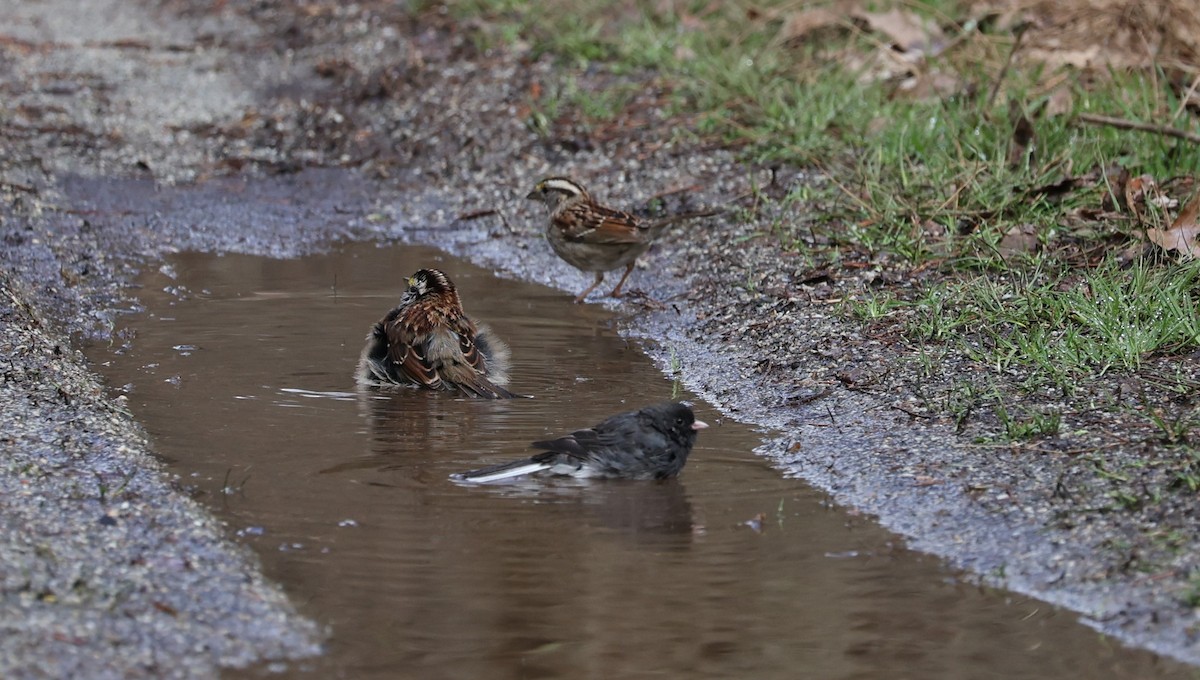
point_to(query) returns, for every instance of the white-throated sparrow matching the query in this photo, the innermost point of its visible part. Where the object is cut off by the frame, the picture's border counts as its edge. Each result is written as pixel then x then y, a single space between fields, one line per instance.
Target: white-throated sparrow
pixel 593 238
pixel 428 341
pixel 652 443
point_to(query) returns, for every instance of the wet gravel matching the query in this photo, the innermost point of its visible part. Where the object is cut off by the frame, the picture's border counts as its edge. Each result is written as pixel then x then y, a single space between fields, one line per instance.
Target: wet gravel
pixel 109 570
pixel 131 129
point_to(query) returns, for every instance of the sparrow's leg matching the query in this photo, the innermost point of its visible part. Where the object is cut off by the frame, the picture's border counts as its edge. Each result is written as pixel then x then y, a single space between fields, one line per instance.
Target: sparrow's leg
pixel 599 279
pixel 616 292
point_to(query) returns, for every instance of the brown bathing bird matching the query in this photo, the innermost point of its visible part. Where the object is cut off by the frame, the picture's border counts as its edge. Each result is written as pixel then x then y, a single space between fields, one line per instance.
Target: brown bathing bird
pixel 427 341
pixel 594 238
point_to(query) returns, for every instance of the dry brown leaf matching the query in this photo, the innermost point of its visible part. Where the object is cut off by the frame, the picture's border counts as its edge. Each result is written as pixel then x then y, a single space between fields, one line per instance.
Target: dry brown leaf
pixel 1163 201
pixel 1005 17
pixel 935 238
pixel 684 53
pixel 878 124
pixel 1101 33
pixel 905 30
pixel 1079 59
pixel 1183 232
pixel 1067 183
pixel 801 25
pixel 933 231
pixel 1019 240
pixel 1061 102
pixel 1022 146
pixel 930 85
pixel 1136 191
pixel 1133 252
pixel 691 22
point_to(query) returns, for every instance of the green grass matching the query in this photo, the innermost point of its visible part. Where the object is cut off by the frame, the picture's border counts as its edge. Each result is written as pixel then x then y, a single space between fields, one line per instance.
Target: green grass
pixel 596 105
pixel 1065 325
pixel 1028 425
pixel 932 183
pixel 1187 476
pixel 1191 596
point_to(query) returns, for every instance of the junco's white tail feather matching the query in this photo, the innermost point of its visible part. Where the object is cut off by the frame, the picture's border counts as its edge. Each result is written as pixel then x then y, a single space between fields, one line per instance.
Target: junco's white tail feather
pixel 496 473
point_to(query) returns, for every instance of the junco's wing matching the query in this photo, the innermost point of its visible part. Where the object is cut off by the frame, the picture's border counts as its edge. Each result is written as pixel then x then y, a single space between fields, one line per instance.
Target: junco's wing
pixel 577 445
pixel 599 225
pixel 620 442
pixel 636 444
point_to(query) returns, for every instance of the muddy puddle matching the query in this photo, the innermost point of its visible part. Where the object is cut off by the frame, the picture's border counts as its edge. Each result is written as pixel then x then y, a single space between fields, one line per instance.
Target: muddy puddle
pixel 241 370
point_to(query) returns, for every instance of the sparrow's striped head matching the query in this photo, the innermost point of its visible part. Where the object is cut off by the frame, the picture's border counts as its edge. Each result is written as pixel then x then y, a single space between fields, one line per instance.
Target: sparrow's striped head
pixel 554 190
pixel 428 282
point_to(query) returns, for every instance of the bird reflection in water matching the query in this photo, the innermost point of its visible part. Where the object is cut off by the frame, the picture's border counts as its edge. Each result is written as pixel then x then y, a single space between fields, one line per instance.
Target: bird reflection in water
pixel 648 511
pixel 402 425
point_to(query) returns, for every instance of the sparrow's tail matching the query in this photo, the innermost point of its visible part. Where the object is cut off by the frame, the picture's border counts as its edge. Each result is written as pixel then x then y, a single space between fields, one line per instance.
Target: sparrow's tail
pixel 484 388
pixel 658 226
pixel 495 473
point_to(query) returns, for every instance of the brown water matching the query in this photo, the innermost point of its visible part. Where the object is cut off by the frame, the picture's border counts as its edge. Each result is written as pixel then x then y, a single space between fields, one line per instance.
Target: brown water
pixel 241 372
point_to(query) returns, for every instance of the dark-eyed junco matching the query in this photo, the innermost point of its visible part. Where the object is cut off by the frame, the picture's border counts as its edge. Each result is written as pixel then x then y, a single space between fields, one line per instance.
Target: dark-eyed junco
pixel 594 238
pixel 428 341
pixel 652 443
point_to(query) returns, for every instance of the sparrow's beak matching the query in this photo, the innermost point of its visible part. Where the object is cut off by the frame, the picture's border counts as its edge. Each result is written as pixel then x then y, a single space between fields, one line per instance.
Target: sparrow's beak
pixel 699 425
pixel 533 194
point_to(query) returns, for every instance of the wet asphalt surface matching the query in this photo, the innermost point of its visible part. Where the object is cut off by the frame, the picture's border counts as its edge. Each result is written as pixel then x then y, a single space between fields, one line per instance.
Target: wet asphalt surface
pixel 129 130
